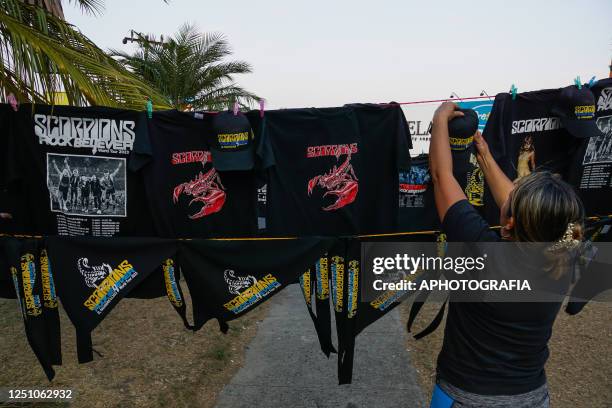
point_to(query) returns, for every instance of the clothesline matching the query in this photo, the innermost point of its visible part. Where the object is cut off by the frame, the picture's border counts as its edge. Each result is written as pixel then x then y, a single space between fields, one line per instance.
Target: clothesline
pixel 438 100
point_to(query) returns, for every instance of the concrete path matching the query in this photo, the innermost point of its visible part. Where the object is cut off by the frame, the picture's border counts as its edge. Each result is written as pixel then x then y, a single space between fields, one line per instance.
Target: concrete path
pixel 284 366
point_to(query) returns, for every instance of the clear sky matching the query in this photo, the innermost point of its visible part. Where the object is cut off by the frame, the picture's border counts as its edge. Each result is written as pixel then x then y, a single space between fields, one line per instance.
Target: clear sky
pixel 332 52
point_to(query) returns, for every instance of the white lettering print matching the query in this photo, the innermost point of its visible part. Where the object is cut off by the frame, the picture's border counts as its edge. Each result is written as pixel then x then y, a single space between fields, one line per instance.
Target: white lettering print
pixel 605 100
pixel 87 133
pixel 535 125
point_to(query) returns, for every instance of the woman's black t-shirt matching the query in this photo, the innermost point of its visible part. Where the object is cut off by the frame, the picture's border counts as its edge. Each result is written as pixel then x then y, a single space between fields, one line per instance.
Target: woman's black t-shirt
pixel 492 348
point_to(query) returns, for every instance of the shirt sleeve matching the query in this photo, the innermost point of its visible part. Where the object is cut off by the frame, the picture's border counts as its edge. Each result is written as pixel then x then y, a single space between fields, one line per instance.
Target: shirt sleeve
pixel 404 141
pixel 143 151
pixel 264 151
pixel 493 132
pixel 462 223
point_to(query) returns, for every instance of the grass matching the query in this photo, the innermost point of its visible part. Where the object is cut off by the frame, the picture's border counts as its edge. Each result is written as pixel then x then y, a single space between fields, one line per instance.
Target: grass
pixel 150 359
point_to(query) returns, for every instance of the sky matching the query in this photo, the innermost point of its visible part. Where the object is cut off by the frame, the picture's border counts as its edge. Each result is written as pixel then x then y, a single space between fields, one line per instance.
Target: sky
pixel 328 53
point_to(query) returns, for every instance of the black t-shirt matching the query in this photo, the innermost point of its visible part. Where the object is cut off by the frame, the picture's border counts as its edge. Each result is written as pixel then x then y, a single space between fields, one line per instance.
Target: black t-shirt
pixel 591 170
pixel 523 135
pixel 187 195
pixel 492 348
pixel 417 208
pixel 335 169
pixel 52 146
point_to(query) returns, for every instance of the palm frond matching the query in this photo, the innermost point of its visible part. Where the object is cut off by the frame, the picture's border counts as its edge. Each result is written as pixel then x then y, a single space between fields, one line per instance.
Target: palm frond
pixel 94 7
pixel 41 55
pixel 190 70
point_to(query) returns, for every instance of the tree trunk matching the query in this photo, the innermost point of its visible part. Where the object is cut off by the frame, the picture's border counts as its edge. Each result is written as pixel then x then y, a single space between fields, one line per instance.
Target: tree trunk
pixel 52 6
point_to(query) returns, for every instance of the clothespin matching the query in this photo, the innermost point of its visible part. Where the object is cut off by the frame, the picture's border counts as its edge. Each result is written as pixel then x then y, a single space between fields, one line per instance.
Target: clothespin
pixel 236 108
pixel 513 91
pixel 149 108
pixel 13 102
pixel 591 81
pixel 577 82
pixel 262 104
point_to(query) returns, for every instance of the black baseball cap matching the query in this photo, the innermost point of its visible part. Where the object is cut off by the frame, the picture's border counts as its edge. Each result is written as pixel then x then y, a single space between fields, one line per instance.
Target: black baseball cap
pixel 576 109
pixel 462 128
pixel 232 142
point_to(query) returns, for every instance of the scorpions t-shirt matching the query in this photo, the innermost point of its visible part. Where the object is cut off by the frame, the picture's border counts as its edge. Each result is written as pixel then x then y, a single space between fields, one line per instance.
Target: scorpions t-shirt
pixel 68 167
pixel 591 169
pixel 187 195
pixel 417 208
pixel 336 169
pixel 524 136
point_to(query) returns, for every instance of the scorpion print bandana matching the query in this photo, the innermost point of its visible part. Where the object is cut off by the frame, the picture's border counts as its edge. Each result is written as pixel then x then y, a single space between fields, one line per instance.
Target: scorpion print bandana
pixel 328 164
pixel 228 278
pixel 93 274
pixel 188 196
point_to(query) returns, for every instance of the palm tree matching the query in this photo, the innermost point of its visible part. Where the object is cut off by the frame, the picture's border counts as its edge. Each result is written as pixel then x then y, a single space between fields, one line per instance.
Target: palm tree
pixel 41 54
pixel 189 70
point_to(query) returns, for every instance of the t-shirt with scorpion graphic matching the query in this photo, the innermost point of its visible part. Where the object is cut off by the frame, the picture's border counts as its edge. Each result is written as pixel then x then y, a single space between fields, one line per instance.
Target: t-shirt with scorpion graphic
pixel 335 170
pixel 188 197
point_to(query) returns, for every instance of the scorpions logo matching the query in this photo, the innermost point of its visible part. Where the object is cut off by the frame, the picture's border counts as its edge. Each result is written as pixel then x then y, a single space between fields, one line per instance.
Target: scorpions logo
pixel 236 283
pixel 207 189
pixel 340 181
pixel 93 274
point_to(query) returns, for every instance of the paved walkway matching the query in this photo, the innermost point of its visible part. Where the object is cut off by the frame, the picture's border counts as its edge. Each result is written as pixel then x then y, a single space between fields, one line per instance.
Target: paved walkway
pixel 284 366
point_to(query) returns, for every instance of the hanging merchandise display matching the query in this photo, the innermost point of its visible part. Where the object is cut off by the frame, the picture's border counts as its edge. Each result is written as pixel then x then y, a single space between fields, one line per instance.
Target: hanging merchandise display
pixel 119 202
pixel 188 195
pixel 591 170
pixel 417 209
pixel 34 285
pixel 69 169
pixel 229 278
pixel 530 133
pixel 335 170
pixel 94 274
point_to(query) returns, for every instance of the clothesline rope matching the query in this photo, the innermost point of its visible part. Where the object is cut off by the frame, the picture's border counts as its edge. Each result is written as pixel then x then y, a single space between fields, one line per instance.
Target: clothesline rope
pixel 439 100
pixel 390 234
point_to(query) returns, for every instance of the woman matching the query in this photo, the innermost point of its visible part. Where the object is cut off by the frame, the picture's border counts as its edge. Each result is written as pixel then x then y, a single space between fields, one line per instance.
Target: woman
pixel 493 354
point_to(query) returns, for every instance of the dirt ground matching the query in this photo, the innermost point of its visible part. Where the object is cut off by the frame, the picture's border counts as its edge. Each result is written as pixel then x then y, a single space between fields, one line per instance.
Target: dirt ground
pixel 149 358
pixel 579 369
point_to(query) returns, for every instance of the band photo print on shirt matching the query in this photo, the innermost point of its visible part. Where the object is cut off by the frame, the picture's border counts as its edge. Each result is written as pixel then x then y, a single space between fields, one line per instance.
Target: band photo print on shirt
pixel 87 185
pixel 599 149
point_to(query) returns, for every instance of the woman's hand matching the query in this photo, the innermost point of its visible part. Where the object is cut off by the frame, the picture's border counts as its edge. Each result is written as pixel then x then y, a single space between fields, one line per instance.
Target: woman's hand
pixel 482 147
pixel 446 112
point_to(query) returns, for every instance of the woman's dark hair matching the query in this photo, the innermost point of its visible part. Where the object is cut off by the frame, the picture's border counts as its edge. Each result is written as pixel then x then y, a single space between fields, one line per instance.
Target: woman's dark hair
pixel 547 209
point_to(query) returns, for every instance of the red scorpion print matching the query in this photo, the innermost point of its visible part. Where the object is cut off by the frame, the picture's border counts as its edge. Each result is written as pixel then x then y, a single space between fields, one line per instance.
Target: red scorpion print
pixel 340 181
pixel 207 189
